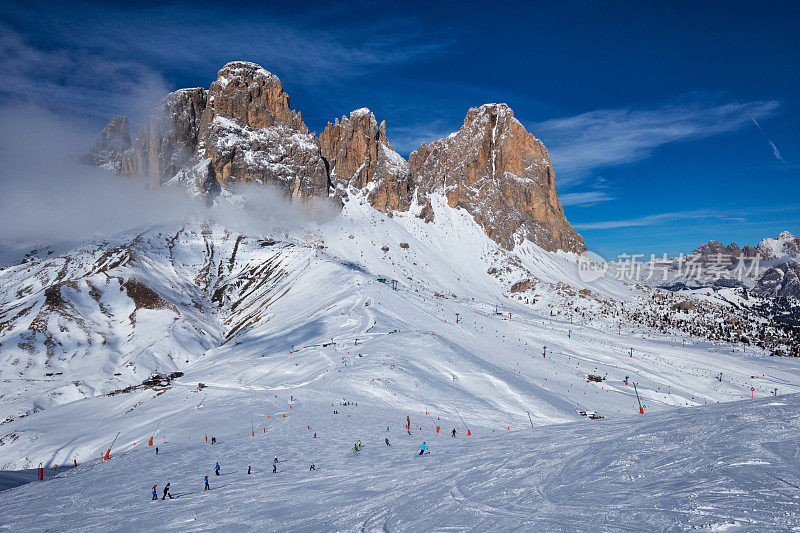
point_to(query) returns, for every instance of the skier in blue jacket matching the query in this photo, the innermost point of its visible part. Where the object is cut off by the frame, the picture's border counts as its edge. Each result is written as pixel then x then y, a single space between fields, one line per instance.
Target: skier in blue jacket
pixel 216 469
pixel 155 496
pixel 423 448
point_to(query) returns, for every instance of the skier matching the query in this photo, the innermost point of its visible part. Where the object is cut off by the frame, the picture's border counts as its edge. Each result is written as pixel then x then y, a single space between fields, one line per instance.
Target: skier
pixel 312 467
pixel 359 445
pixel 454 432
pixel 315 435
pixel 248 470
pixel 386 440
pixel 274 468
pixel 155 496
pixel 213 439
pixel 156 450
pixel 166 492
pixel 276 458
pixel 216 469
pixel 207 487
pixel 423 448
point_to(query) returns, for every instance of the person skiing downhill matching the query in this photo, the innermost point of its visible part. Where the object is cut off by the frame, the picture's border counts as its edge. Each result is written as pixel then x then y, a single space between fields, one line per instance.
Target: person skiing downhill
pixel 166 492
pixel 274 468
pixel 276 458
pixel 207 487
pixel 248 469
pixel 423 448
pixel 155 496
pixel 387 441
pixel 216 469
pixel 454 432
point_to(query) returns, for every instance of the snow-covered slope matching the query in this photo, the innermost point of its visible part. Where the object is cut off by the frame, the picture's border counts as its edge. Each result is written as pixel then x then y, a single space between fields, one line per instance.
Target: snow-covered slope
pixel 252 317
pixel 727 467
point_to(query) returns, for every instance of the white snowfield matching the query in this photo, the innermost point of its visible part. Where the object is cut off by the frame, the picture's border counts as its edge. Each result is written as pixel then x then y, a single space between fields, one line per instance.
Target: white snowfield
pixel 726 467
pixel 283 329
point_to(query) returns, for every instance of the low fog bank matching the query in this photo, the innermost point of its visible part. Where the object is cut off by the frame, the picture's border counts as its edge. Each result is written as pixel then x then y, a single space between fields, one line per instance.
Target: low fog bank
pixel 49 198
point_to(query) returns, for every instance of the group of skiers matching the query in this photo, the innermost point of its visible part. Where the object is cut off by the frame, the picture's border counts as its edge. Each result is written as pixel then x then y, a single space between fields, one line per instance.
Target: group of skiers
pixel 166 491
pixel 423 449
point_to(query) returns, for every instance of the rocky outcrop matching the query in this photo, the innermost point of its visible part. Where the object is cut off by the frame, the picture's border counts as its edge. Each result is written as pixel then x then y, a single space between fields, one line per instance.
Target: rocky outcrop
pixel 107 151
pixel 243 129
pixel 716 247
pixel 252 134
pixel 501 175
pixel 781 280
pixel 169 139
pixel 360 157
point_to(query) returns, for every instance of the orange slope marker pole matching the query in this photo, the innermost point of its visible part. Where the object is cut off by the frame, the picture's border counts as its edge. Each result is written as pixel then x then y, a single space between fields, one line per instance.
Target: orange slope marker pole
pixel 107 456
pixel 150 442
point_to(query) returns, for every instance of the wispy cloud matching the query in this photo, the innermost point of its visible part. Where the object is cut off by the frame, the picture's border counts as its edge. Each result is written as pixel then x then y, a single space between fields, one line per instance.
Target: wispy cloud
pixel 107 60
pixel 75 81
pixel 602 138
pixel 584 198
pixel 651 220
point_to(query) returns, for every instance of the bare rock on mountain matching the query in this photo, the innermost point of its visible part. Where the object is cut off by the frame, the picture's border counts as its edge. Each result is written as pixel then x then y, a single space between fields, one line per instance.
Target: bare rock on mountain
pixel 251 134
pixel 107 150
pixel 168 141
pixel 360 157
pixel 252 97
pixel 781 280
pixel 241 130
pixel 717 248
pixel 784 245
pixel 501 175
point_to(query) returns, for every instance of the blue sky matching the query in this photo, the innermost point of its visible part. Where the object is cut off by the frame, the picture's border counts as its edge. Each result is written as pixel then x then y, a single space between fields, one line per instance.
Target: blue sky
pixel 667 125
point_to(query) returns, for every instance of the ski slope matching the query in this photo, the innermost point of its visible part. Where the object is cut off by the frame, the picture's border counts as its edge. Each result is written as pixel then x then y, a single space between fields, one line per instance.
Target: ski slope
pixel 284 328
pixel 726 467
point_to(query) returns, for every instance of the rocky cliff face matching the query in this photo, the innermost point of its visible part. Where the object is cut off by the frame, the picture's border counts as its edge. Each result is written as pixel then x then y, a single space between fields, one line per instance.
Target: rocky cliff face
pixel 109 148
pixel 781 280
pixel 243 129
pixel 501 175
pixel 360 157
pixel 713 248
pixel 169 139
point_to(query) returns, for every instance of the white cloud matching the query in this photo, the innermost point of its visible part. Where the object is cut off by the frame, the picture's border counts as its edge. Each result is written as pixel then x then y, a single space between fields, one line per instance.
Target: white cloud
pixel 584 198
pixel 609 137
pixel 650 220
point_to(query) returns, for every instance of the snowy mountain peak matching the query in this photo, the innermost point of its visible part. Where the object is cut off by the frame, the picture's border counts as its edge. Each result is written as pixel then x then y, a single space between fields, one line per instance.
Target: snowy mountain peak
pixel 244 70
pixel 488 109
pixel 785 244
